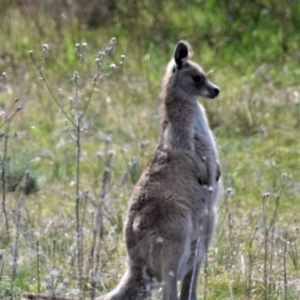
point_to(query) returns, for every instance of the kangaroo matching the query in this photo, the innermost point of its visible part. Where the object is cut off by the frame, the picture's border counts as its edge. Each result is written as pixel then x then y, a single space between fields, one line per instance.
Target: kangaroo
pixel 171 214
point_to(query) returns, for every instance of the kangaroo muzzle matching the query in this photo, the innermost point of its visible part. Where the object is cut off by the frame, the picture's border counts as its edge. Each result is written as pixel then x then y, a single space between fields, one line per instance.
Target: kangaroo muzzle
pixel 212 90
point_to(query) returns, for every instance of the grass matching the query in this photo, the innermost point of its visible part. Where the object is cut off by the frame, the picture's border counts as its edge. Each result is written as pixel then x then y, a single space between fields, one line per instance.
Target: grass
pixel 255 120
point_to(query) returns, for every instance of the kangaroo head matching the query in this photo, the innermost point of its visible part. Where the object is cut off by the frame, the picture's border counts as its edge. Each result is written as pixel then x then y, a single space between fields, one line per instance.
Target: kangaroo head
pixel 188 76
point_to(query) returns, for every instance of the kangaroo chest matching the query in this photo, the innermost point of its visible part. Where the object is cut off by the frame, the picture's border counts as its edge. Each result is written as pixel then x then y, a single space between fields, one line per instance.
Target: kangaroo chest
pixel 203 138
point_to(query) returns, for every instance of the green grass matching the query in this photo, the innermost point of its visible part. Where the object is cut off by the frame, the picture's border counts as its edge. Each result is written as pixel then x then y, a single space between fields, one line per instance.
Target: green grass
pixel 256 122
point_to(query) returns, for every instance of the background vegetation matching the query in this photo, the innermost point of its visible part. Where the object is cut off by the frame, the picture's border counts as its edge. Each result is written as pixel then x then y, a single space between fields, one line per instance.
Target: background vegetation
pixel 80 121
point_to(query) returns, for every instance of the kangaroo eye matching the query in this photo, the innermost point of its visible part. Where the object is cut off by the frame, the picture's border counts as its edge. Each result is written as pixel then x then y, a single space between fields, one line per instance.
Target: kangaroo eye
pixel 197 78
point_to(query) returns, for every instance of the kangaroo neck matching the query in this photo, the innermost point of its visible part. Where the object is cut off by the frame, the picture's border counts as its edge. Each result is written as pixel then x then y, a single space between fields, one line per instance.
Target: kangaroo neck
pixel 178 120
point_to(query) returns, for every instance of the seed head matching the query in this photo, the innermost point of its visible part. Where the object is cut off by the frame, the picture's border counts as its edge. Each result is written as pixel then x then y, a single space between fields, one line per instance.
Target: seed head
pixel 266 195
pixel 229 191
pixel 99 154
pixel 111 152
pixel 76 75
pixel 96 278
pixel 145 143
pixel 53 272
pixel 124 149
pixel 66 280
pixel 108 139
pixel 45 47
pixel 113 40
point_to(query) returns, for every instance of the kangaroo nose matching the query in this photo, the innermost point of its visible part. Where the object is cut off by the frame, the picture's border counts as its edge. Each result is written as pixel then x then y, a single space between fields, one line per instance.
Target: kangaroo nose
pixel 216 91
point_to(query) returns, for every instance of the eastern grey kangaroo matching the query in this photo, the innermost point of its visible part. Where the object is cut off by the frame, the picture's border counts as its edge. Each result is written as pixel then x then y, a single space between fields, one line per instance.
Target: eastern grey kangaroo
pixel 171 214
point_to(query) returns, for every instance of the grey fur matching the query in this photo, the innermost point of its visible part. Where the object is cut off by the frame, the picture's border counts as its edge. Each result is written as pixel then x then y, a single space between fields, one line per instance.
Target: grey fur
pixel 171 214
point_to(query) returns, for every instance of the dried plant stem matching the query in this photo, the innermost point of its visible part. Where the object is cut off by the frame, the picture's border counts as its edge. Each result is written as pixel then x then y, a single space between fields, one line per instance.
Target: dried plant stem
pixel 91 94
pixel 76 118
pixel 10 117
pixel 91 261
pixel 229 218
pixel 294 254
pixel 99 228
pixel 284 266
pixel 96 268
pixel 272 230
pixel 4 162
pixel 82 58
pixel 38 266
pixel 250 256
pixel 266 233
pixel 1 270
pixel 85 197
pixel 105 185
pixel 54 250
pixel 76 123
pixel 41 73
pixel 77 208
pixel 79 232
pixel 93 246
pixel 95 249
pixel 98 224
pixel 231 247
pixel 20 205
pixel 3 178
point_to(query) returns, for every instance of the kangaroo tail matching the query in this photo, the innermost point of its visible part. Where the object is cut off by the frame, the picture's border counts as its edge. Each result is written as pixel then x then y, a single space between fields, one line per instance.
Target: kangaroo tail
pixel 133 286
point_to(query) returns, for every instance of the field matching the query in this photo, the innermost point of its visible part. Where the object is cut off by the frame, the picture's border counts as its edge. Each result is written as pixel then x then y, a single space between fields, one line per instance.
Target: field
pixel 80 117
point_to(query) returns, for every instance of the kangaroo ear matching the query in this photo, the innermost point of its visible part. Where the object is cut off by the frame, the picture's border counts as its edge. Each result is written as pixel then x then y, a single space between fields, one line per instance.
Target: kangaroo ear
pixel 182 52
